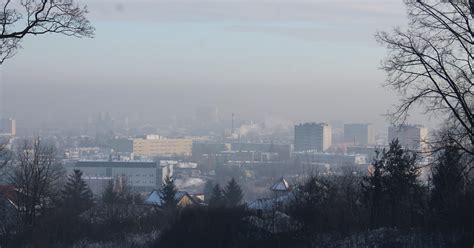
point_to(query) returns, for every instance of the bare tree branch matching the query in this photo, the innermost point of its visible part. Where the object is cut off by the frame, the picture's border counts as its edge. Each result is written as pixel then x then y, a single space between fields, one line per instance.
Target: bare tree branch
pixel 34 174
pixel 430 63
pixel 36 17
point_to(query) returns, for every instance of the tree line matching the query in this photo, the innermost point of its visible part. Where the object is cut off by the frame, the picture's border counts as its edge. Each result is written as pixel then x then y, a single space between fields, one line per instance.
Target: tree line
pixel 321 211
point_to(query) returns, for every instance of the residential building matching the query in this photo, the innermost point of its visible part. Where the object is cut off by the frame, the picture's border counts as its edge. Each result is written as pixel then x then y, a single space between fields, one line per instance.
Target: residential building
pixel 312 137
pixel 410 136
pixel 8 126
pixel 182 198
pixel 359 134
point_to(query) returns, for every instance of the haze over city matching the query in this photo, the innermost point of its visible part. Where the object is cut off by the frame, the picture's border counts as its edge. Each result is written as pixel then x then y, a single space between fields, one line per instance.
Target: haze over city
pixel 158 60
pixel 236 123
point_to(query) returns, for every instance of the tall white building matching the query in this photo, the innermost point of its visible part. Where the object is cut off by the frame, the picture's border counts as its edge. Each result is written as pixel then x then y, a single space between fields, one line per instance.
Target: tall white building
pixel 359 134
pixel 8 126
pixel 313 136
pixel 410 136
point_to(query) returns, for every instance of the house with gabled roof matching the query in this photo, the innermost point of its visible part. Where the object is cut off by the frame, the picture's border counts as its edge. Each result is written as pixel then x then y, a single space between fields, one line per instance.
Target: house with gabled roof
pixel 281 186
pixel 182 198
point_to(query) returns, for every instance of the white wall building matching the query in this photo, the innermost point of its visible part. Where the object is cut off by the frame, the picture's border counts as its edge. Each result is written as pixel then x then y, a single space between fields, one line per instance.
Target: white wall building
pixel 139 175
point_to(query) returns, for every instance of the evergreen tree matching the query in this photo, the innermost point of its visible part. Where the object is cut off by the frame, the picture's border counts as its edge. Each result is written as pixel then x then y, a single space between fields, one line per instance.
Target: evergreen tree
pixel 216 199
pixel 402 185
pixel 372 187
pixel 393 187
pixel 76 195
pixel 208 188
pixel 232 194
pixel 449 187
pixel 168 193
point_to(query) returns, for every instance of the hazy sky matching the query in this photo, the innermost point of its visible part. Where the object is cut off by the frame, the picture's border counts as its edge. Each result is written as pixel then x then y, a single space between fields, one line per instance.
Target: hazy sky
pixel 299 60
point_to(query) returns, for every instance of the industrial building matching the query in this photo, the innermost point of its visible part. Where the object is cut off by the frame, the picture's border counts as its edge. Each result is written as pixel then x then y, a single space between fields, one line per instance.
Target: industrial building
pixel 139 175
pixel 153 146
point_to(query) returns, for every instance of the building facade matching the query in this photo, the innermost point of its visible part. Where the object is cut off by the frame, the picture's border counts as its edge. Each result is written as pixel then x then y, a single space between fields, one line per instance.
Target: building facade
pixel 312 137
pixel 359 134
pixel 410 136
pixel 8 126
pixel 331 159
pixel 151 147
pixel 140 175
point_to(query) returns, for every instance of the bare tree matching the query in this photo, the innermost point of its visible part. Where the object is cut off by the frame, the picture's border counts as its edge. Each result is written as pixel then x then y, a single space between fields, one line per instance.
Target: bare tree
pixel 35 17
pixel 4 156
pixel 430 64
pixel 34 174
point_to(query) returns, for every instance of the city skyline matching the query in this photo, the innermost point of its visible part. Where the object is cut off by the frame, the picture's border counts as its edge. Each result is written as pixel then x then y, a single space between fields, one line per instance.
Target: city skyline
pixel 209 53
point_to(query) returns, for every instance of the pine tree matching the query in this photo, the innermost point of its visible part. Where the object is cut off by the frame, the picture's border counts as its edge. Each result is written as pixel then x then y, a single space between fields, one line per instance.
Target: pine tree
pixel 216 199
pixel 373 189
pixel 394 187
pixel 449 186
pixel 208 188
pixel 76 195
pixel 168 193
pixel 232 194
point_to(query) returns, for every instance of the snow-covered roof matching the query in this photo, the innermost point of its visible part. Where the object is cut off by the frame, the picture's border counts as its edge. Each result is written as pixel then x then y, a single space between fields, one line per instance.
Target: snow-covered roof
pixel 155 197
pixel 280 185
pixel 267 204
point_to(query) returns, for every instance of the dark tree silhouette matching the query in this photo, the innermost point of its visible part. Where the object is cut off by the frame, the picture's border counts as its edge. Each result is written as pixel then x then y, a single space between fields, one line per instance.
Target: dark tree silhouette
pixel 76 195
pixel 5 157
pixel 430 64
pixel 394 187
pixel 233 194
pixel 208 187
pixel 109 196
pixel 36 17
pixel 35 175
pixel 372 186
pixel 168 194
pixel 216 198
pixel 449 188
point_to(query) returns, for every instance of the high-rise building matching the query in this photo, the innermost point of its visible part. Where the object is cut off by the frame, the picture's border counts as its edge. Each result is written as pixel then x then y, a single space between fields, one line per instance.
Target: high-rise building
pixel 409 136
pixel 312 136
pixel 8 126
pixel 359 134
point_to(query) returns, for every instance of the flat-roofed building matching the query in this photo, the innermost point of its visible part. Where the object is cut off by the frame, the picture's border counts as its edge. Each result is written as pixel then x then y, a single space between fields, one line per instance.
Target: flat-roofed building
pixel 331 158
pixel 359 134
pixel 8 126
pixel 313 137
pixel 162 147
pixel 410 136
pixel 139 175
pixel 368 151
